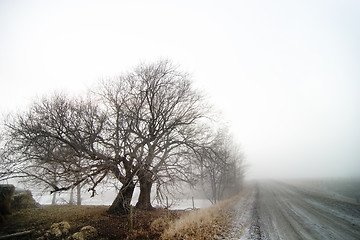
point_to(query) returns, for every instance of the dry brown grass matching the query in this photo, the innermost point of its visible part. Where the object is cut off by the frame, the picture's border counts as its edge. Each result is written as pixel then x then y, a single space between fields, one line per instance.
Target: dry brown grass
pixel 207 223
pixel 108 226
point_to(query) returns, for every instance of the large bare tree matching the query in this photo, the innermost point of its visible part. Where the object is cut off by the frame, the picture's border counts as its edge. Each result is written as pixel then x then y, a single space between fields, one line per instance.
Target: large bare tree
pixel 156 111
pixel 139 128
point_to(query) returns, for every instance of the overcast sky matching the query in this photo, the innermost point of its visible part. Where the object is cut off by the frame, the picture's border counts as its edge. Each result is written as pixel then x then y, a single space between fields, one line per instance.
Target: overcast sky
pixel 285 74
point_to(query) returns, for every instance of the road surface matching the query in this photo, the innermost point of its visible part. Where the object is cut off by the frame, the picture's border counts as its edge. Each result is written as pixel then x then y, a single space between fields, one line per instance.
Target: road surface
pixel 275 210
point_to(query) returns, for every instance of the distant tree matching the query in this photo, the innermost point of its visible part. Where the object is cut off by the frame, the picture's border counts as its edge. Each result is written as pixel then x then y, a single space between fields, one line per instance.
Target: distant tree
pixel 221 167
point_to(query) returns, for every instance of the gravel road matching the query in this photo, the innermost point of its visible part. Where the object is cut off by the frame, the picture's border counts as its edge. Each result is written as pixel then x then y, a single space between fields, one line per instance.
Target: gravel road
pixel 275 210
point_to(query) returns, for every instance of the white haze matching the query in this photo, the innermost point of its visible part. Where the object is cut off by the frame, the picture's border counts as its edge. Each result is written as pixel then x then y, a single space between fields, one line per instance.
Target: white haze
pixel 285 74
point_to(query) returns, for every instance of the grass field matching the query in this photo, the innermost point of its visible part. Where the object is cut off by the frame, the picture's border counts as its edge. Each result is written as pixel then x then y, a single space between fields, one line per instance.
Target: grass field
pixel 345 189
pixel 156 224
pixel 108 226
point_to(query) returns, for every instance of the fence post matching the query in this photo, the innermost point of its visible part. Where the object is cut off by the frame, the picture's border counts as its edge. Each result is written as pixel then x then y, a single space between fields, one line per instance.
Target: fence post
pixel 167 207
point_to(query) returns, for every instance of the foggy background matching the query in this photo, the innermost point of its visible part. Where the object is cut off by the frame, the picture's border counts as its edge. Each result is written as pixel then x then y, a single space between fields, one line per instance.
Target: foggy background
pixel 284 74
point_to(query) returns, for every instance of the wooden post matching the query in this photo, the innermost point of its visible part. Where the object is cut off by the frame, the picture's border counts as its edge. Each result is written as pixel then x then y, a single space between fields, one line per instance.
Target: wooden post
pixel 167 207
pixel 192 198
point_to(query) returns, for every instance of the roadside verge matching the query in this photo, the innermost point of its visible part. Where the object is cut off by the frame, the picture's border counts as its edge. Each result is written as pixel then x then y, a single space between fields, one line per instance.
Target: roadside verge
pixel 207 223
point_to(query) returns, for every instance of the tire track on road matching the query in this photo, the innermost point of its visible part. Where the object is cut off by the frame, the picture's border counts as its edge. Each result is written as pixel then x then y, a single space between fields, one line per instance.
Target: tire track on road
pixel 287 213
pixel 245 221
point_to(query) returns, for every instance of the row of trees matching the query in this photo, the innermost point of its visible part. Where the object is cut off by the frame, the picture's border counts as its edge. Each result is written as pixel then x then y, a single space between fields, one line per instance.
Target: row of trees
pixel 221 167
pixel 144 127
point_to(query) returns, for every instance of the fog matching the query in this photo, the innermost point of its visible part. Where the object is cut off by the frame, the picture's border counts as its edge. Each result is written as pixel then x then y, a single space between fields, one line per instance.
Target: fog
pixel 283 74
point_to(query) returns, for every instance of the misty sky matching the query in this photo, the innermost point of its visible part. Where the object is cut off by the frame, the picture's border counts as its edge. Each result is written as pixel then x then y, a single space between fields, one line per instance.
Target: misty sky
pixel 285 74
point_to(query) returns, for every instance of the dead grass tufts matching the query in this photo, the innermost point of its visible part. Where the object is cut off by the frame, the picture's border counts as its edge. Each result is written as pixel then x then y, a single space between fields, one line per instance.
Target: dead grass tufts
pixel 160 224
pixel 207 223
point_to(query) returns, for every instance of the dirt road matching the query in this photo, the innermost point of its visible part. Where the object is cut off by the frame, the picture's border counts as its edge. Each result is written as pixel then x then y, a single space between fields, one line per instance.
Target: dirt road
pixel 275 210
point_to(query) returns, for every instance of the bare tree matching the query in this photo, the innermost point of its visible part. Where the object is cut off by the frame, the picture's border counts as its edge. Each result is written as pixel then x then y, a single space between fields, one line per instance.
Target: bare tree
pixel 164 110
pixel 221 167
pixel 8 166
pixel 46 140
pixel 140 128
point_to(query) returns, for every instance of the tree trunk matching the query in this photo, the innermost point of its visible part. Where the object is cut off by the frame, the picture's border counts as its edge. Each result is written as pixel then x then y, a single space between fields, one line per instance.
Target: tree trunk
pixel 121 204
pixel 78 195
pixel 53 202
pixel 144 201
pixel 71 201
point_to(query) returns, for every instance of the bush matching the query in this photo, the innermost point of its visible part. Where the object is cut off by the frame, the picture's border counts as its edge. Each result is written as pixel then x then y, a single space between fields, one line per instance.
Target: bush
pixel 24 200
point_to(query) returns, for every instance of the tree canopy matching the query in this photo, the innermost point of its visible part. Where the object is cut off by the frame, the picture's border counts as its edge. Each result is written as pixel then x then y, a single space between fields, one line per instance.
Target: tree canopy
pixel 144 127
